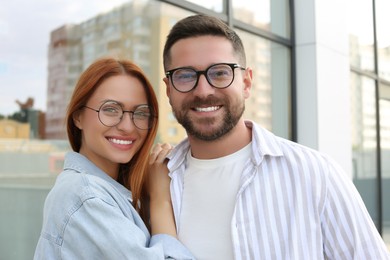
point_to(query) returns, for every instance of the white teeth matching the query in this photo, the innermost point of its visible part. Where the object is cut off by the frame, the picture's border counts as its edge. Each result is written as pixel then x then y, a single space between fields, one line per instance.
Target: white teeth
pixel 117 141
pixel 206 109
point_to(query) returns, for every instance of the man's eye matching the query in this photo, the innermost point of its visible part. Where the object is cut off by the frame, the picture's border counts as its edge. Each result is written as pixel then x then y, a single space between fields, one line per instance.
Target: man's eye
pixel 185 75
pixel 219 73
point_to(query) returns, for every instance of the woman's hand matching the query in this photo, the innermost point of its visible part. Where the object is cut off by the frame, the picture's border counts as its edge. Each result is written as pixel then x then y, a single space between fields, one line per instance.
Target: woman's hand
pixel 158 179
pixel 161 213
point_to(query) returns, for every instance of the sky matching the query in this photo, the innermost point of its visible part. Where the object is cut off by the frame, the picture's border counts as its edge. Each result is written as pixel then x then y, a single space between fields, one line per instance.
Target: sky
pixel 25 28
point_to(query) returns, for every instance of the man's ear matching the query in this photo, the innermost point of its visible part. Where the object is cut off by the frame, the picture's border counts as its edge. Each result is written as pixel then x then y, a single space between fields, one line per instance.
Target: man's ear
pixel 167 89
pixel 247 80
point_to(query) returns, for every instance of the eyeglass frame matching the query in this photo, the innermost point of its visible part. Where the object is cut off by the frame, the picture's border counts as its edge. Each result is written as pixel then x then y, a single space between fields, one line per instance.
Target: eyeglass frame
pixel 169 74
pixel 123 112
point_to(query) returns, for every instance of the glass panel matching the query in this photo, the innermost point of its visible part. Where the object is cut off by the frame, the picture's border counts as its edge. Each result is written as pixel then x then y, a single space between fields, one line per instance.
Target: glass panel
pixel 361 37
pixel 364 141
pixel 383 21
pixel 384 106
pixel 268 15
pixel 269 104
pixel 28 171
pixel 214 5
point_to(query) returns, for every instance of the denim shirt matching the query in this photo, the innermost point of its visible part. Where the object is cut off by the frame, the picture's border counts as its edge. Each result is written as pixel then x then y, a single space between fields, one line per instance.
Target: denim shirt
pixel 89 215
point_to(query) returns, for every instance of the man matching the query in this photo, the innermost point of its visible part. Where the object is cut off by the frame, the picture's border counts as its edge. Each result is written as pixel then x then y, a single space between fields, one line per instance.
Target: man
pixel 238 191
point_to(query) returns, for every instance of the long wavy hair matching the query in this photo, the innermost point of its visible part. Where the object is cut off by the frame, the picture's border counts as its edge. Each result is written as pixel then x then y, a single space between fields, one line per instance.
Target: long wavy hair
pixel 133 174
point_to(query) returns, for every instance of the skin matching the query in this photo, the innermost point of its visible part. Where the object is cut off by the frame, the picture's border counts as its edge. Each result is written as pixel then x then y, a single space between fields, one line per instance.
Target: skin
pixel 205 110
pixel 161 212
pixel 107 147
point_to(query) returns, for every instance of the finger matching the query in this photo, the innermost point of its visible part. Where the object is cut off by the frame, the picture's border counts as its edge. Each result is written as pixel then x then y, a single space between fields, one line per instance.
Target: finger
pixel 157 148
pixel 163 153
pixel 154 153
pixel 166 146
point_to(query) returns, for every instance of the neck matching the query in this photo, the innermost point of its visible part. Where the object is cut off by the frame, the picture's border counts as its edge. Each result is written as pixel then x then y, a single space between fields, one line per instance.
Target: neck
pixel 230 143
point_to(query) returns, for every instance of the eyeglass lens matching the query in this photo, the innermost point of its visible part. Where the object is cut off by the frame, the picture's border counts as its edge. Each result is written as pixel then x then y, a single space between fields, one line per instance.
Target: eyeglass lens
pixel 111 113
pixel 219 76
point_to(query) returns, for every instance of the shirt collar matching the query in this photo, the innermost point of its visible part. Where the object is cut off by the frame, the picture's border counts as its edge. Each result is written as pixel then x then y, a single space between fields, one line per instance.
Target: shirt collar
pixel 80 163
pixel 264 143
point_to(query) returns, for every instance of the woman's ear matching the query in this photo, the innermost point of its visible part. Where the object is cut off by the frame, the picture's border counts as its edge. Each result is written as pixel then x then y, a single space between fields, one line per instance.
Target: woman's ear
pixel 77 119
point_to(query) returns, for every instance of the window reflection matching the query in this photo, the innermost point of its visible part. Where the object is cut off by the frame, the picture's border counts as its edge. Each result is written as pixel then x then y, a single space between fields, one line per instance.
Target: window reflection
pixel 27 173
pixel 361 38
pixel 215 5
pixel 268 15
pixel 364 137
pixel 269 104
pixel 384 110
pixel 383 20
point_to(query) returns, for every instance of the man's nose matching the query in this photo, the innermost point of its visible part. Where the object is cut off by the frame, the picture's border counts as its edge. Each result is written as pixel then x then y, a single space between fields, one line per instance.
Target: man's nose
pixel 203 88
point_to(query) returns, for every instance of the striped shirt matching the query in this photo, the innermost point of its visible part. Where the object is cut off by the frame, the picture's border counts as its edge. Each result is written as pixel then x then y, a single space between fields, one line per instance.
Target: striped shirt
pixel 292 203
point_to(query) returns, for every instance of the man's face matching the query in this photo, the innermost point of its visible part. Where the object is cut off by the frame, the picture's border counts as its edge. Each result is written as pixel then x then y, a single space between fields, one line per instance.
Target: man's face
pixel 207 113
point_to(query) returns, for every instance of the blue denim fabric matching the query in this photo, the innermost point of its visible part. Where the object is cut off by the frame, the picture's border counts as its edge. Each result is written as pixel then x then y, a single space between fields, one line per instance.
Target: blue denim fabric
pixel 88 215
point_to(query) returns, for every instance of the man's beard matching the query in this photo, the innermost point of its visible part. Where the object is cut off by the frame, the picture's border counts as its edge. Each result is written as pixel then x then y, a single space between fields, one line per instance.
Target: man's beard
pixel 231 116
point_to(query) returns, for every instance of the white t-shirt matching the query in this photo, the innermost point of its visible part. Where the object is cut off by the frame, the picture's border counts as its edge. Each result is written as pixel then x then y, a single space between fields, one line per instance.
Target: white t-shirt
pixel 209 196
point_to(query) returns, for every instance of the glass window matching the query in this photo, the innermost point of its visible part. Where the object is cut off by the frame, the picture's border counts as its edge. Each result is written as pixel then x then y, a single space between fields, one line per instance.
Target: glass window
pixel 269 104
pixel 383 21
pixel 384 110
pixel 215 5
pixel 364 137
pixel 27 173
pixel 268 15
pixel 361 38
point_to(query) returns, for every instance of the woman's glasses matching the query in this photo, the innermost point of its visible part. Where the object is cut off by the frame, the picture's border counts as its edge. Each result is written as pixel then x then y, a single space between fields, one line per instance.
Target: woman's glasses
pixel 111 113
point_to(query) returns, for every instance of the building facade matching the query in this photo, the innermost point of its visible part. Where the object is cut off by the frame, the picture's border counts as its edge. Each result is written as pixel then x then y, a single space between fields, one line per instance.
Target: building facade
pixel 14 130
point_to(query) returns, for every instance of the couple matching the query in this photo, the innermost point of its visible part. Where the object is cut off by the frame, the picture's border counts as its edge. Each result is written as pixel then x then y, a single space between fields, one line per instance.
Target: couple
pixel 234 190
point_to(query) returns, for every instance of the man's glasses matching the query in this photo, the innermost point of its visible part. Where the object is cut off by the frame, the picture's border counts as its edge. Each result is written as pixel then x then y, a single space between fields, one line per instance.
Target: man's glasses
pixel 111 113
pixel 219 75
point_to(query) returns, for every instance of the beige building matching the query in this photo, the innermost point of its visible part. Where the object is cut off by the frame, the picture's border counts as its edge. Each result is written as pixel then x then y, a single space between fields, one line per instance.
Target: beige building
pixel 14 129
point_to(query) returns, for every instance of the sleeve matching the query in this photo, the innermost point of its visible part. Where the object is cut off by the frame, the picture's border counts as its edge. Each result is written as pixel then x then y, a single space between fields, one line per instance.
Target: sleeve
pixel 101 230
pixel 349 232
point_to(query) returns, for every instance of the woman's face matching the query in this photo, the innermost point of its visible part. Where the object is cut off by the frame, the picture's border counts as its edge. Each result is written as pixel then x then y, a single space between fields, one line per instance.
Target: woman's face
pixel 108 146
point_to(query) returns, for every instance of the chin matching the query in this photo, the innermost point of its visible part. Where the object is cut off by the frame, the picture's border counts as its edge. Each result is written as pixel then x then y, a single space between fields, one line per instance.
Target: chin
pixel 122 159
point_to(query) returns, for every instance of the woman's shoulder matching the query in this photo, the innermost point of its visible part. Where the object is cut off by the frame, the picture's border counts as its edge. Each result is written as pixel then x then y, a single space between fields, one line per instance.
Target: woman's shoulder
pixel 72 189
pixel 73 186
pixel 69 188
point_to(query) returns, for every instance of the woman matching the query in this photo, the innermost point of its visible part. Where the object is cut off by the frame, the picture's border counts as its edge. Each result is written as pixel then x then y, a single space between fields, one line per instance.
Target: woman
pixel 90 212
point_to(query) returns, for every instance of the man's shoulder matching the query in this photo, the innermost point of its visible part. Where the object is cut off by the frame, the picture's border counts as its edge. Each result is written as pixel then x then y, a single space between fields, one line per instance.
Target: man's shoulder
pixel 272 144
